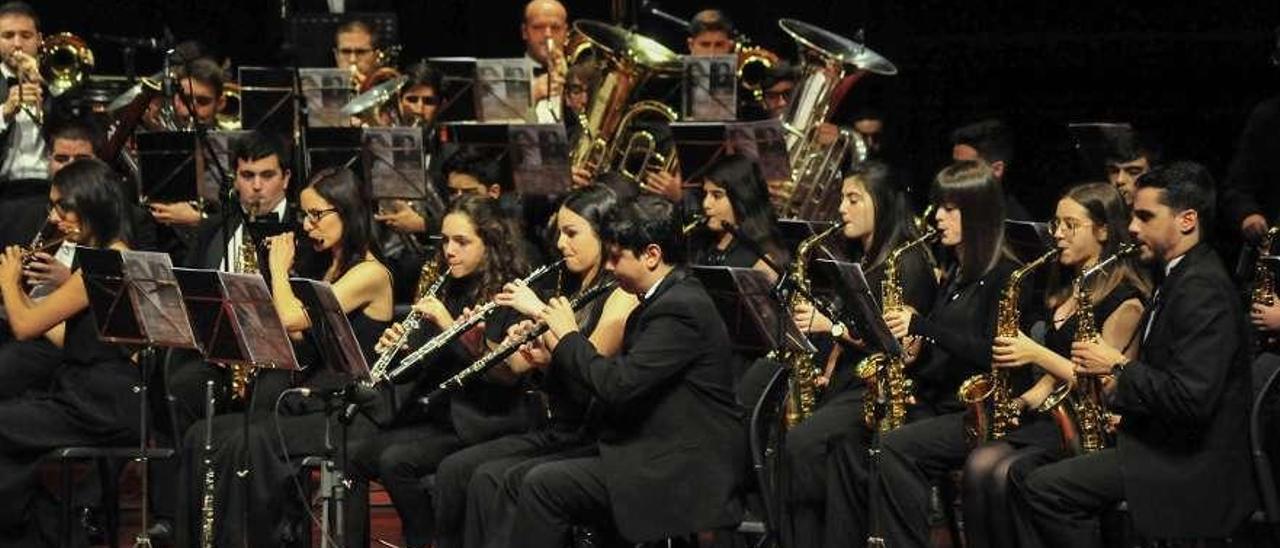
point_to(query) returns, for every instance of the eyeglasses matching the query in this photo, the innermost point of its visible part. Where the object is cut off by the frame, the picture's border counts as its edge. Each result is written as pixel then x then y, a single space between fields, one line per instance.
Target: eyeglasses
pixel 62 207
pixel 426 100
pixel 358 52
pixel 315 215
pixel 200 100
pixel 1067 226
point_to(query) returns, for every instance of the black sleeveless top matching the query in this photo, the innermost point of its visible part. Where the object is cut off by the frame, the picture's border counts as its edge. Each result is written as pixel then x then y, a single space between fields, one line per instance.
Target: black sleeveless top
pixel 736 255
pixel 96 379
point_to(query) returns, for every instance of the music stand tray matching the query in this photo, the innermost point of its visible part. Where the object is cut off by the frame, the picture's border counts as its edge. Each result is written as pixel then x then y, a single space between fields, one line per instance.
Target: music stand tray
pixel 266 99
pixel 169 166
pixel 330 329
pixel 744 298
pixel 135 298
pixel 235 319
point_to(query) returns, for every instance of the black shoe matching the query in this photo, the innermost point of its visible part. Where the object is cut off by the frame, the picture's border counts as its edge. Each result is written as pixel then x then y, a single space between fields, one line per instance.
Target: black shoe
pixel 93 524
pixel 161 532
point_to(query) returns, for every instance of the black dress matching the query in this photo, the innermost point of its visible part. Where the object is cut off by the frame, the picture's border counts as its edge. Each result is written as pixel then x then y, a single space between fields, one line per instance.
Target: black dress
pixel 91 402
pixel 264 506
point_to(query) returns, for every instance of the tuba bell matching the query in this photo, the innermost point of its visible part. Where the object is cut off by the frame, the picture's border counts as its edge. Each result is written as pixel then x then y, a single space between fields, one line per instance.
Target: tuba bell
pixel 614 136
pixel 65 61
pixel 830 65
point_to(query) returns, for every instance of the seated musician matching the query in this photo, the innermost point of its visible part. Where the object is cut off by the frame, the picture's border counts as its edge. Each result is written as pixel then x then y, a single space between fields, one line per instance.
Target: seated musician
pixel 734 195
pixel 481 252
pixel 1134 154
pixel 336 221
pixel 711 33
pixel 1089 226
pixel 92 399
pixel 478 487
pixel 356 49
pixel 823 501
pixel 671 447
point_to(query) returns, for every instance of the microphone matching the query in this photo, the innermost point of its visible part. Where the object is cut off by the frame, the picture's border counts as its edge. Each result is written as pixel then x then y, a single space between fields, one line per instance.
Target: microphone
pixel 326 393
pixel 356 397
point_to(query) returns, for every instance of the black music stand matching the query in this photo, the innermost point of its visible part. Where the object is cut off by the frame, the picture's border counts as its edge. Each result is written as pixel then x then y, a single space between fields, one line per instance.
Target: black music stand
pixel 332 334
pixel 135 300
pixel 335 147
pixel 459 93
pixel 170 166
pixel 859 302
pixel 698 144
pixel 395 168
pixel 1028 239
pixel 267 100
pixel 539 159
pixel 491 140
pixel 745 300
pixel 1095 142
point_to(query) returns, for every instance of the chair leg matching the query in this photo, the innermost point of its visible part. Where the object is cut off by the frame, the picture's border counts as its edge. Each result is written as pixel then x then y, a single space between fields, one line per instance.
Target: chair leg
pixel 109 476
pixel 64 527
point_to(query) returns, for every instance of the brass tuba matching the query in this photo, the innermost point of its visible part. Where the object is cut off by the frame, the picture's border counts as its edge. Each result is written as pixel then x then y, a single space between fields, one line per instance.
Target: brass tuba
pixel 610 139
pixel 830 65
pixel 977 391
pixel 65 61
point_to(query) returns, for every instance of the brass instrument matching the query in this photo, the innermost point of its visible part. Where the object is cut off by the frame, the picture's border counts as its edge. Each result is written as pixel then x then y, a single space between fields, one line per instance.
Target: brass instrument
pixel 228 117
pixel 429 284
pixel 993 388
pixel 609 141
pixel 1079 412
pixel 754 64
pixel 65 60
pixel 1263 290
pixel 802 384
pixel 28 72
pixel 462 326
pixel 889 391
pixel 830 66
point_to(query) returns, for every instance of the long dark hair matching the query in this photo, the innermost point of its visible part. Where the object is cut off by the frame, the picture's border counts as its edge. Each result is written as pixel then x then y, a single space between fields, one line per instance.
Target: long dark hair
pixel 504 259
pixel 90 189
pixel 893 219
pixel 593 203
pixel 748 194
pixel 1106 209
pixel 343 191
pixel 971 187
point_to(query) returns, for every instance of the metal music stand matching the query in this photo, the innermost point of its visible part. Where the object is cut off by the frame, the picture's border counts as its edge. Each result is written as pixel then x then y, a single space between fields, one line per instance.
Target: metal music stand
pixel 698 144
pixel 339 348
pixel 745 300
pixel 267 100
pixel 170 165
pixel 859 303
pixel 335 147
pixel 459 93
pixel 395 168
pixel 135 300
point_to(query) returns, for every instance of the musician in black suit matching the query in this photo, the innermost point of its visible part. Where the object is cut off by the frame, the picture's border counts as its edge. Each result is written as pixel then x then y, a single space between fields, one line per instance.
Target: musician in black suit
pixel 1182 456
pixel 671 447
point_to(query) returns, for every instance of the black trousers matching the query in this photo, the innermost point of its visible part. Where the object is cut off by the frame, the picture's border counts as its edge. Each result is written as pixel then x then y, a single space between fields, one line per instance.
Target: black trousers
pixel 27 366
pixel 1065 498
pixel 911 460
pixel 399 459
pixel 557 495
pixel 825 468
pixel 993 475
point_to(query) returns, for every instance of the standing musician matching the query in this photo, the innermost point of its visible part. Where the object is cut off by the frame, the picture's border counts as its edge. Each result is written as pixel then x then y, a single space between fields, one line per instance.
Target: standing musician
pixel 1090 225
pixel 335 218
pixel 23 187
pixel 92 401
pixel 482 252
pixel 671 449
pixel 735 195
pixel 819 506
pixel 1181 459
pixel 545 20
pixel 950 344
pixel 478 487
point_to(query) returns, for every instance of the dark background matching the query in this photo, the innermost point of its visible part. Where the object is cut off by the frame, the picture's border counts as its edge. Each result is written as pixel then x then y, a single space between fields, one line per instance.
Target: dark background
pixel 1188 71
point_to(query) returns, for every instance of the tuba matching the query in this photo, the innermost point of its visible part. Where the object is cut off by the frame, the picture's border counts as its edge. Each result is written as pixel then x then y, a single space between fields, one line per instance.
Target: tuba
pixel 65 61
pixel 612 137
pixel 1079 412
pixel 889 389
pixel 976 391
pixel 830 65
pixel 802 393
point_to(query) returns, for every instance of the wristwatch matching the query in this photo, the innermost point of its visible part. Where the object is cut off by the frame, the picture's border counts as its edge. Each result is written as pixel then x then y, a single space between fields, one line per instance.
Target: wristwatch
pixel 838 330
pixel 1119 366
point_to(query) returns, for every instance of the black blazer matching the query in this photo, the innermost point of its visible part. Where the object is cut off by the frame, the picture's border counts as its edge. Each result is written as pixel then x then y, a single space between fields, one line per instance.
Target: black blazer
pixel 1183 441
pixel 671 440
pixel 1248 187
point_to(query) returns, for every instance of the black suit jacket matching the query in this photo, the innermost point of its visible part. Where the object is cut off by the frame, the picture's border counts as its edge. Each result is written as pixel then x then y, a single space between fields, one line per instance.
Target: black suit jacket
pixel 1250 186
pixel 1183 441
pixel 671 440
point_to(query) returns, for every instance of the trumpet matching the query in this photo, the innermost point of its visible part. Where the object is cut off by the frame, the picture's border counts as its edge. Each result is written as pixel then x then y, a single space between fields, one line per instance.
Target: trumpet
pixel 28 69
pixel 462 326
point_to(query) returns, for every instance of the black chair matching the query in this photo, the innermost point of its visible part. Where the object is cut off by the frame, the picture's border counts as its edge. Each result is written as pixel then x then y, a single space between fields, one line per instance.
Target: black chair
pixel 765 441
pixel 108 474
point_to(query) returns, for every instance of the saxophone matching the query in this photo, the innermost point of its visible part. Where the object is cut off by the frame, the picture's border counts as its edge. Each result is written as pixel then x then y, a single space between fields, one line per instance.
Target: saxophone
pixel 802 393
pixel 1263 291
pixel 889 391
pixel 429 284
pixel 980 424
pixel 1079 412
pixel 242 373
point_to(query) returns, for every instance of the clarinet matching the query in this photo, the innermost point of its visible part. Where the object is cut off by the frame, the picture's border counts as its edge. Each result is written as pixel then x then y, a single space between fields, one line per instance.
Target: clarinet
pixel 459 327
pixel 210 481
pixel 411 323
pixel 502 351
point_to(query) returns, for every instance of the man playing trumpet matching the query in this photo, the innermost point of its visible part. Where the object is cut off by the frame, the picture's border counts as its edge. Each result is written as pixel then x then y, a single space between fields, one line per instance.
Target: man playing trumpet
pixel 23 164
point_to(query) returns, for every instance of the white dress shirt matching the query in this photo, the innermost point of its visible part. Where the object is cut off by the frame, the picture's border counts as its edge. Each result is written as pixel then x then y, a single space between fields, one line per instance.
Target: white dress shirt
pixel 25 156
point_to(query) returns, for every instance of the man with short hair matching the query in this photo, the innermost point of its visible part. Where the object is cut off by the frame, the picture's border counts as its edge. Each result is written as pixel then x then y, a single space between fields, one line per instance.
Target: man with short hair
pixel 23 161
pixel 991 141
pixel 671 446
pixel 711 33
pixel 1181 459
pixel 356 47
pixel 1131 157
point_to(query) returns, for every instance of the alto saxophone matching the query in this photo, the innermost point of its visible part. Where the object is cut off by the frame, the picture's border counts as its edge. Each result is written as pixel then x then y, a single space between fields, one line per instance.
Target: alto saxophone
pixel 1263 291
pixel 802 393
pixel 1079 412
pixel 889 391
pixel 982 424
